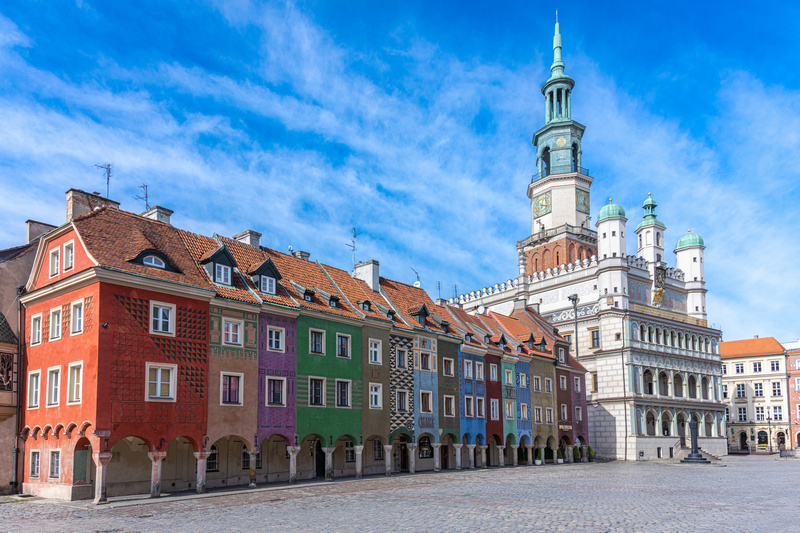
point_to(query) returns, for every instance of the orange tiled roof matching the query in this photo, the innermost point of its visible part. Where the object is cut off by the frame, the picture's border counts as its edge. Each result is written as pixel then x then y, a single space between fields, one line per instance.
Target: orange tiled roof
pixel 356 290
pixel 750 347
pixel 405 297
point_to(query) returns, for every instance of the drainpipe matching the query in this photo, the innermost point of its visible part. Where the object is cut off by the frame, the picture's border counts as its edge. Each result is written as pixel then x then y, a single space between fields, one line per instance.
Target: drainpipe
pixel 625 401
pixel 15 485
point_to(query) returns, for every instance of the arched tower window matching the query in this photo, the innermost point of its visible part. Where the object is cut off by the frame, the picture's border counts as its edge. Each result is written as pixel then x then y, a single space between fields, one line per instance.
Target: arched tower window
pixel 546 162
pixel 575 164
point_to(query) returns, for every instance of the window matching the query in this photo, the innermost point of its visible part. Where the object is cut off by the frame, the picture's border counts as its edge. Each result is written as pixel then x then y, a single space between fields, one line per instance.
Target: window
pixel 342 393
pixel 563 411
pixel 231 388
pixel 401 358
pixel 468 369
pixel 268 285
pixel 759 414
pixel 342 345
pixel 246 458
pixel 153 261
pixel 561 355
pixel 742 413
pixel 509 409
pixel 509 377
pixel 212 461
pixel 425 361
pixel 480 403
pixel 75 375
pixel 578 414
pixel 568 338
pixel 425 448
pixel 375 352
pixel 468 405
pixel 724 369
pixel 493 372
pixel 537 414
pixel 55 323
pixel 548 385
pixel 334 302
pixel 375 396
pixel 562 381
pixel 377 450
pixel 523 411
pixel 35 463
pixel 727 415
pixel 740 368
pixel 307 296
pixel 724 391
pixel 231 331
pixel 53 383
pixel 479 370
pixel 366 307
pixel 54 262
pixel 33 390
pixel 594 382
pixel 740 391
pixel 275 339
pixel 537 383
pixel 758 390
pixel 55 464
pixel 36 329
pixel 161 381
pixel 162 318
pixel 777 412
pixel 449 406
pixel 577 384
pixel 595 338
pixel 523 380
pixel 316 390
pixel 222 274
pixel 276 391
pixel 495 405
pixel 402 400
pixel 775 366
pixel 776 388
pixel 425 402
pixel 69 255
pixel 316 341
pixel 549 415
pixel 447 367
pixel 756 367
pixel 76 318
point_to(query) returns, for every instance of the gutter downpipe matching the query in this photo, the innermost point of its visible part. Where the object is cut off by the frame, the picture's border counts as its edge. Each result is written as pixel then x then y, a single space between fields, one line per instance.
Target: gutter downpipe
pixel 15 485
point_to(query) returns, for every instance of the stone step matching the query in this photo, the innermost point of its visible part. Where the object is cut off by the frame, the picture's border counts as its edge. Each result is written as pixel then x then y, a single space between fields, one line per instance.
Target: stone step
pixel 684 452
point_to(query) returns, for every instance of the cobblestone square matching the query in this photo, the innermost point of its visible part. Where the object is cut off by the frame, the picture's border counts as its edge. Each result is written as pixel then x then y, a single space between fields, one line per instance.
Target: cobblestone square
pixel 748 493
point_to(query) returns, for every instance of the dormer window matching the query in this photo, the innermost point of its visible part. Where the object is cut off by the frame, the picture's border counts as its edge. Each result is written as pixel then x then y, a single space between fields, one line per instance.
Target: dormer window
pixel 334 303
pixel 365 306
pixel 421 319
pixel 487 339
pixel 222 274
pixel 307 296
pixel 153 261
pixel 468 337
pixel 268 285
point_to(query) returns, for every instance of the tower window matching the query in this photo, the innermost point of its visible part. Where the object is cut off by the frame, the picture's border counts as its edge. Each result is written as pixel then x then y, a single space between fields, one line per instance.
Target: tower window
pixel 658 257
pixel 613 233
pixel 604 235
pixel 694 259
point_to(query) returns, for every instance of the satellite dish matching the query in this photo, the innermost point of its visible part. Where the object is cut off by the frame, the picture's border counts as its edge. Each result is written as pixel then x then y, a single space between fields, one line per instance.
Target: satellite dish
pixel 481 309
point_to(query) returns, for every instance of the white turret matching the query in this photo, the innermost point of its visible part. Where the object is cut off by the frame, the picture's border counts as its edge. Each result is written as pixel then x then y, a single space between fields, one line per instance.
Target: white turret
pixel 612 264
pixel 651 233
pixel 689 257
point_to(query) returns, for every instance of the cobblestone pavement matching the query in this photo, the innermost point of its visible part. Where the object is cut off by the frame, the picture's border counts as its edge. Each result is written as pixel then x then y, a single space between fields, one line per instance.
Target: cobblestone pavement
pixel 749 494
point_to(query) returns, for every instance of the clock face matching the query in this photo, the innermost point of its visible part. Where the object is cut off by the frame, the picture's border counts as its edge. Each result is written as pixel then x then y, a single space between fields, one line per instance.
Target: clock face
pixel 582 201
pixel 561 141
pixel 541 204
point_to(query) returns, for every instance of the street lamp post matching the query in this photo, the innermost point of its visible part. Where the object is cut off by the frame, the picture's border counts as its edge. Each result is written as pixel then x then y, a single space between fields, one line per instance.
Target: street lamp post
pixel 769 427
pixel 574 299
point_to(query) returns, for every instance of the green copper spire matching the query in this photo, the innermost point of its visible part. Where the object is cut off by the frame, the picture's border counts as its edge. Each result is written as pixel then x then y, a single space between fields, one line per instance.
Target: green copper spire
pixel 557 68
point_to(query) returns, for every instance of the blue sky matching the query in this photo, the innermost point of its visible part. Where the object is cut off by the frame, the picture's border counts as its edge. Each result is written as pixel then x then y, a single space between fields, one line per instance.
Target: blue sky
pixel 413 121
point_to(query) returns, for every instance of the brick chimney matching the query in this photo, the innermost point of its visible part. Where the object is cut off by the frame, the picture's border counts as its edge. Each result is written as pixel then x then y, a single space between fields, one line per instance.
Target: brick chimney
pixel 369 271
pixel 248 237
pixel 159 213
pixel 37 229
pixel 81 203
pixel 300 254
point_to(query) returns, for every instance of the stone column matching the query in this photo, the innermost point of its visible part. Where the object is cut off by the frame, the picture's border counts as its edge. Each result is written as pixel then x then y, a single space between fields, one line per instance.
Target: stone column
pixel 293 451
pixel 569 454
pixel 412 458
pixel 359 461
pixel 471 450
pixel 542 451
pixel 515 455
pixel 387 457
pixel 201 470
pixel 437 457
pixel 458 455
pixel 156 459
pixel 483 455
pixel 328 463
pixel 101 460
pixel 501 456
pixel 584 454
pixel 531 455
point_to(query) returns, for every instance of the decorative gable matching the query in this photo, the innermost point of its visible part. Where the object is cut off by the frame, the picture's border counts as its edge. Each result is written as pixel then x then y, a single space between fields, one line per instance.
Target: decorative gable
pixel 219 265
pixel 265 276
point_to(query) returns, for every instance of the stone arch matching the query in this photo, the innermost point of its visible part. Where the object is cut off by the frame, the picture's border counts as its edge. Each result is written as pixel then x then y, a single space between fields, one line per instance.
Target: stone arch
pixel 273 451
pixel 56 430
pixel 25 433
pixel 35 432
pixel 663 383
pixel 46 431
pixel 692 384
pixel 546 261
pixel 704 388
pixel 84 427
pixel 510 439
pixel 650 422
pixel 83 470
pixel 130 472
pixel 677 385
pixel 480 440
pixel 571 253
pixel 708 425
pixel 647 381
pixel 666 423
pixel 69 429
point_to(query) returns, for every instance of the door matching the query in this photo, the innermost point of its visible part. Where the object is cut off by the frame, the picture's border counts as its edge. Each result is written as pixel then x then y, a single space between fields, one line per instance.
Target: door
pixel 682 430
pixel 743 441
pixel 319 460
pixel 445 451
pixel 403 451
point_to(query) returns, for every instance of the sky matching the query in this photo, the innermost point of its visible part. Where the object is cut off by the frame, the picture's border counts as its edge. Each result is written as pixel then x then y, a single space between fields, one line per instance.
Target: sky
pixel 412 122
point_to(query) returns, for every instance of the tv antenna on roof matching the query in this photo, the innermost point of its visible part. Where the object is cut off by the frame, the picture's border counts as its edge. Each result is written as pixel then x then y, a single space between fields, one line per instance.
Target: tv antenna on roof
pixel 352 245
pixel 416 283
pixel 439 287
pixel 146 198
pixel 107 168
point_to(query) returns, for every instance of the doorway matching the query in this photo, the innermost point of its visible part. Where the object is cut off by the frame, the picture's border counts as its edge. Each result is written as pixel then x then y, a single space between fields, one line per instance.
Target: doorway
pixel 319 460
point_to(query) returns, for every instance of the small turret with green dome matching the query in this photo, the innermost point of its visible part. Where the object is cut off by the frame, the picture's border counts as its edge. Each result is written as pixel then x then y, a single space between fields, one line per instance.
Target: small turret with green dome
pixel 649 218
pixel 611 210
pixel 689 240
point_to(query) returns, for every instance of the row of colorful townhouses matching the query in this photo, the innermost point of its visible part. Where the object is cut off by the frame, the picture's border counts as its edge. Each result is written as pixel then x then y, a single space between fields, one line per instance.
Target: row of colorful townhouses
pixel 155 359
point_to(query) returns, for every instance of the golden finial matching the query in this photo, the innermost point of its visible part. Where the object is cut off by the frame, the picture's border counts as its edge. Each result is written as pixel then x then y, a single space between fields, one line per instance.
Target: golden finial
pixel 690 231
pixel 649 194
pixel 610 200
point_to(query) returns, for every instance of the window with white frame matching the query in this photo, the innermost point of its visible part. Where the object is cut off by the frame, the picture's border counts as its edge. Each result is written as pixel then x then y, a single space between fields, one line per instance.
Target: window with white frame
pixel 537 414
pixel 798 412
pixel 577 382
pixel 742 414
pixel 316 391
pixel 495 406
pixel 33 389
pixel 447 366
pixel 425 361
pixel 74 381
pixel 316 341
pixel 276 391
pixel 162 318
pixel 509 377
pixel 739 368
pixel 342 345
pixel 69 255
pixel 549 415
pixel 55 464
pixel 758 390
pixel 560 354
pixel 564 411
pixel 548 385
pixel 523 411
pixel 757 367
pixel 724 391
pixel 375 351
pixel 55 323
pixel 724 369
pixel 467 369
pixel 523 380
pixel 375 396
pixel 212 461
pixel 401 358
pixel 35 463
pixel 402 400
pixel 493 372
pixel 425 403
pixel 480 405
pixel 377 450
pixel 777 413
pixel 775 366
pixel 36 329
pixel 231 388
pixel 537 383
pixel 578 414
pixel 469 404
pixel 161 381
pixel 563 382
pixel 479 370
pixel 55 260
pixel 268 285
pixel 449 406
pixel 222 274
pixel 154 261
pixel 759 414
pixel 76 318
pixel 231 331
pixel 776 388
pixel 53 385
pixel 342 393
pixel 727 414
pixel 275 339
pixel 509 409
pixel 740 390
